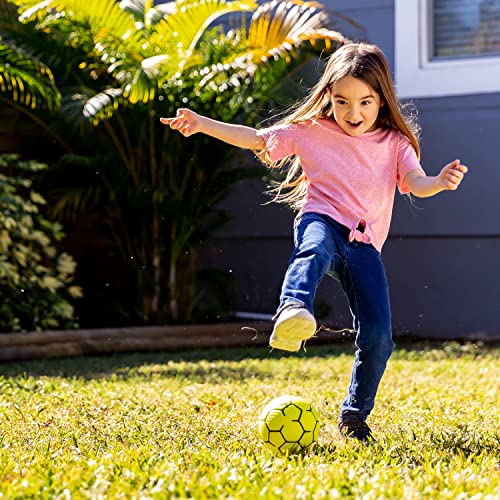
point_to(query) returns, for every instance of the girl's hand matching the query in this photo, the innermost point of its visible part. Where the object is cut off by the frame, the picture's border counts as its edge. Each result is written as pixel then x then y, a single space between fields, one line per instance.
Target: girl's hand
pixel 187 122
pixel 452 174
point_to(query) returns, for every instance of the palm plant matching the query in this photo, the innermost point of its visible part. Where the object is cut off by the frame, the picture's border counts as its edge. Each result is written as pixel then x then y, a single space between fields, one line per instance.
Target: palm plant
pixel 119 67
pixel 26 83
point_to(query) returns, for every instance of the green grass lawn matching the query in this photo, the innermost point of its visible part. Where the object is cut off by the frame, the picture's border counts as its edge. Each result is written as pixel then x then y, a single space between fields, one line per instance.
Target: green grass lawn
pixel 163 425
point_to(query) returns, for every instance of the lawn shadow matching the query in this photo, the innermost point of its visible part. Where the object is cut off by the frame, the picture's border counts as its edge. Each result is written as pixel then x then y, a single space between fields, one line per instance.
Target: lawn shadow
pixel 187 363
pixel 169 364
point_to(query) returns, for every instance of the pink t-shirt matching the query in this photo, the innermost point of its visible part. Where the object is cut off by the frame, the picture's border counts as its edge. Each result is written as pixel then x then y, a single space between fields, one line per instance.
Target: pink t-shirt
pixel 351 179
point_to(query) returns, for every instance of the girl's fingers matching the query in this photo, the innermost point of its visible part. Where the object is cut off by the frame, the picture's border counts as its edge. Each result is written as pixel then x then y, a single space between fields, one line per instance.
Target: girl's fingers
pixel 455 175
pixel 180 123
pixel 456 165
pixel 174 123
pixel 453 179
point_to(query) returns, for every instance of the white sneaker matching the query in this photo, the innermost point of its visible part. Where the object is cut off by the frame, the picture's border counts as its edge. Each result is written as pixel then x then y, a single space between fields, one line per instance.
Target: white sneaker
pixel 293 326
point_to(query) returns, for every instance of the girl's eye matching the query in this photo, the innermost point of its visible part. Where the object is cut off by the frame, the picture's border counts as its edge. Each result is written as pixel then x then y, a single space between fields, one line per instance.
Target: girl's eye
pixel 365 103
pixel 340 101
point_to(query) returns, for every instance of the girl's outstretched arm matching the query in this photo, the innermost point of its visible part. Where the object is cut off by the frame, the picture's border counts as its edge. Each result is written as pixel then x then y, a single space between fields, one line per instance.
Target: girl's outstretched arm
pixel 449 178
pixel 188 122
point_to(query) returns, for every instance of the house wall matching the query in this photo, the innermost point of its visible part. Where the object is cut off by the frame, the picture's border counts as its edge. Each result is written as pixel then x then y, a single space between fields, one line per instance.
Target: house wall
pixel 441 255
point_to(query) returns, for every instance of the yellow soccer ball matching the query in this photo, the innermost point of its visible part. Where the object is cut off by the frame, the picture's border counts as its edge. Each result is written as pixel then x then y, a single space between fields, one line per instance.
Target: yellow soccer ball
pixel 288 425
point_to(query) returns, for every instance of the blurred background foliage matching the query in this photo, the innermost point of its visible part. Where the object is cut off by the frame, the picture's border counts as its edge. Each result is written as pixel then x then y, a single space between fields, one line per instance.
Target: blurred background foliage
pixel 88 80
pixel 35 279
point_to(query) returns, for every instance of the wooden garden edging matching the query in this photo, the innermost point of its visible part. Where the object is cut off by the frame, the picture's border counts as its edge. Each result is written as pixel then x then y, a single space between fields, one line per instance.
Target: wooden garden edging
pixel 67 343
pixel 62 343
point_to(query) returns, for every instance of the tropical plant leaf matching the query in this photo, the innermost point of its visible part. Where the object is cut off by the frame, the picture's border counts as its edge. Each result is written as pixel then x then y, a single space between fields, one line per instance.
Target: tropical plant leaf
pixel 185 25
pixel 80 108
pixel 102 16
pixel 25 79
pixel 102 105
pixel 158 12
pixel 32 9
pixel 278 28
pixel 277 31
pixel 115 34
pixel 138 9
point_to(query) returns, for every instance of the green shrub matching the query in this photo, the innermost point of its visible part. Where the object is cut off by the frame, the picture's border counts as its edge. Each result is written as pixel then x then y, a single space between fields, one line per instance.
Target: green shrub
pixel 35 280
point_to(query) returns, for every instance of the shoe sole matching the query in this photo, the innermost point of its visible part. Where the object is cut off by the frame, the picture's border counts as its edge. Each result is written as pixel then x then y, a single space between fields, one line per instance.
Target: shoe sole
pixel 289 335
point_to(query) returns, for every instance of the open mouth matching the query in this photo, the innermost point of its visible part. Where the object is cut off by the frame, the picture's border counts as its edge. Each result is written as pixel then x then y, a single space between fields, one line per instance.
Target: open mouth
pixel 354 124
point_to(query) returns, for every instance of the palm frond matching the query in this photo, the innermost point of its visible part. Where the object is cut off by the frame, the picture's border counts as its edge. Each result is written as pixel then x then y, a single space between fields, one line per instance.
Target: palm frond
pixel 119 42
pixel 278 30
pixel 183 27
pixel 26 80
pixel 138 9
pixel 80 108
pixel 158 12
pixel 31 9
pixel 102 16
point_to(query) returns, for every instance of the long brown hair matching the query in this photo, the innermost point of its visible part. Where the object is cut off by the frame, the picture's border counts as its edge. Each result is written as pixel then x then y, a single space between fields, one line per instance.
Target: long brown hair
pixel 360 60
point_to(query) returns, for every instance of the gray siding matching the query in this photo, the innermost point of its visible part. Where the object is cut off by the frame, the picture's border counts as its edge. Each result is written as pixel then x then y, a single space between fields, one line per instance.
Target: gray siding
pixel 449 243
pixel 441 256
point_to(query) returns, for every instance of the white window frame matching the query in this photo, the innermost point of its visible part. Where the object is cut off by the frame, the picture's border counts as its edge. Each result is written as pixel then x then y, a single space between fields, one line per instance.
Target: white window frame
pixel 417 75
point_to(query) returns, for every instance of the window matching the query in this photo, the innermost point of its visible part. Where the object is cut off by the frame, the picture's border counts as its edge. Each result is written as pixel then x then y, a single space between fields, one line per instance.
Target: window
pixel 465 28
pixel 447 47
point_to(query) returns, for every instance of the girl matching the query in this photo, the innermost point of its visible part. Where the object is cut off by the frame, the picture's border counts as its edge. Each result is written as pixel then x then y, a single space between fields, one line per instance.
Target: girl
pixel 347 146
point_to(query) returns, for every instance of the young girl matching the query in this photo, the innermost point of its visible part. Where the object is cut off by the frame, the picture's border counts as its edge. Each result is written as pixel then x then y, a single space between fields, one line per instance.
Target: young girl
pixel 347 146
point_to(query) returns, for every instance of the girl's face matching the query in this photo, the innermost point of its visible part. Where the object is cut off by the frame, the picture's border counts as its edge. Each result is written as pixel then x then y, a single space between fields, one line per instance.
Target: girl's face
pixel 355 105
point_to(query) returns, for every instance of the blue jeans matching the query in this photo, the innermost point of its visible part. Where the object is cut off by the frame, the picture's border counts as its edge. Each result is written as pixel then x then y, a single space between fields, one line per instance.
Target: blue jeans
pixel 322 247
